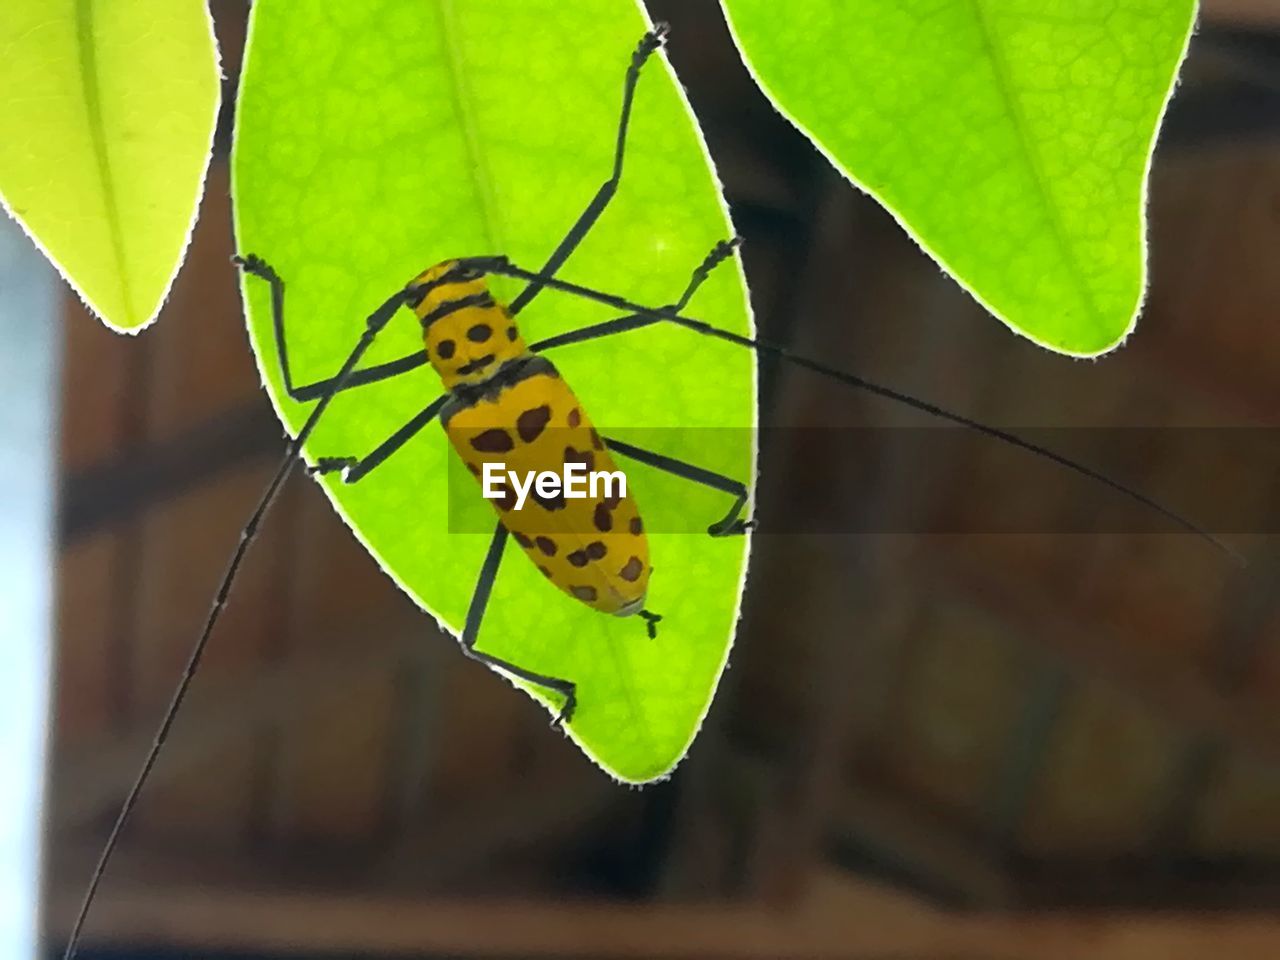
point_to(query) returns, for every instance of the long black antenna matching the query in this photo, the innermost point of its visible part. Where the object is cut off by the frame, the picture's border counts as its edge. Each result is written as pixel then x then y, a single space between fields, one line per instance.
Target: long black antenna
pixel 375 323
pixel 503 266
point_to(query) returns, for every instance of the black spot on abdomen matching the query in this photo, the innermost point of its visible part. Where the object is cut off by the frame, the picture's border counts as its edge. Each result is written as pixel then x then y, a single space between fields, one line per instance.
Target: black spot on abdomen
pixel 603 518
pixel 552 503
pixel 531 423
pixel 496 440
pixel 584 457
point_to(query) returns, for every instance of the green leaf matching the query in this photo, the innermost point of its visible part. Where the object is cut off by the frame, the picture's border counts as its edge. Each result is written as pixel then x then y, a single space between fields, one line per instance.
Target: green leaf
pixel 1012 138
pixel 107 110
pixel 374 140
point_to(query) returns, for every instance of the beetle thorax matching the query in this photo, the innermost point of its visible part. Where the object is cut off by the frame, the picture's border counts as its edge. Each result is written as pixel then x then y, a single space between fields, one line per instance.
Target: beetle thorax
pixel 467 333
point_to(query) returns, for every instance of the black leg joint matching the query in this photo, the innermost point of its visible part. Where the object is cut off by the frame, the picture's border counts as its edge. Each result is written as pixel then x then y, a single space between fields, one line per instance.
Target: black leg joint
pixel 732 525
pixel 254 264
pixel 650 42
pixel 332 465
pixel 570 707
pixel 651 621
pixel 720 252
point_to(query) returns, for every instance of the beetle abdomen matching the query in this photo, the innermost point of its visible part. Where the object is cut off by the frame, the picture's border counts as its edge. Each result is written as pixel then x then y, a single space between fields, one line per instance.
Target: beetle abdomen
pixel 593 548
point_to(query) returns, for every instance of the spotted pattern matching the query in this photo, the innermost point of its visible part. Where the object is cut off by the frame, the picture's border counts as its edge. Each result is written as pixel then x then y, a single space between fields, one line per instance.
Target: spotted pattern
pixel 602 518
pixel 495 440
pixel 479 332
pixel 511 333
pixel 593 550
pixel 445 349
pixel 531 423
pixel 552 503
pixel 584 457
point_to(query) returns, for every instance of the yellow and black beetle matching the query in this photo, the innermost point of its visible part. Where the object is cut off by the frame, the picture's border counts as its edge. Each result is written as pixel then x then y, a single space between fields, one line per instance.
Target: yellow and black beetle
pixel 506 404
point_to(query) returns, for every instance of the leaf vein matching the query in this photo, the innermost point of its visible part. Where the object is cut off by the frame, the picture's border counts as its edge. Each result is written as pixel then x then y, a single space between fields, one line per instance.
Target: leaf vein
pixel 1034 162
pixel 97 134
pixel 460 96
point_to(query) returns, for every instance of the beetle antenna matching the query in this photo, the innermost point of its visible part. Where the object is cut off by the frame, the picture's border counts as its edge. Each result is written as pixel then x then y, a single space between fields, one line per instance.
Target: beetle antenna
pixel 376 322
pixel 504 267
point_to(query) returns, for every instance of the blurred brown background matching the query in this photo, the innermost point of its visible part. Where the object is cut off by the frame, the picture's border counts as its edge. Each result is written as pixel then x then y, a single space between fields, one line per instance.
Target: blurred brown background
pixel 979 747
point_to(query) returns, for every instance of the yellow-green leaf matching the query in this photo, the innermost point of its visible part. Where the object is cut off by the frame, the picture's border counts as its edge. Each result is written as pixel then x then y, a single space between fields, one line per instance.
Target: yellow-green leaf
pixel 1012 138
pixel 374 140
pixel 107 110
